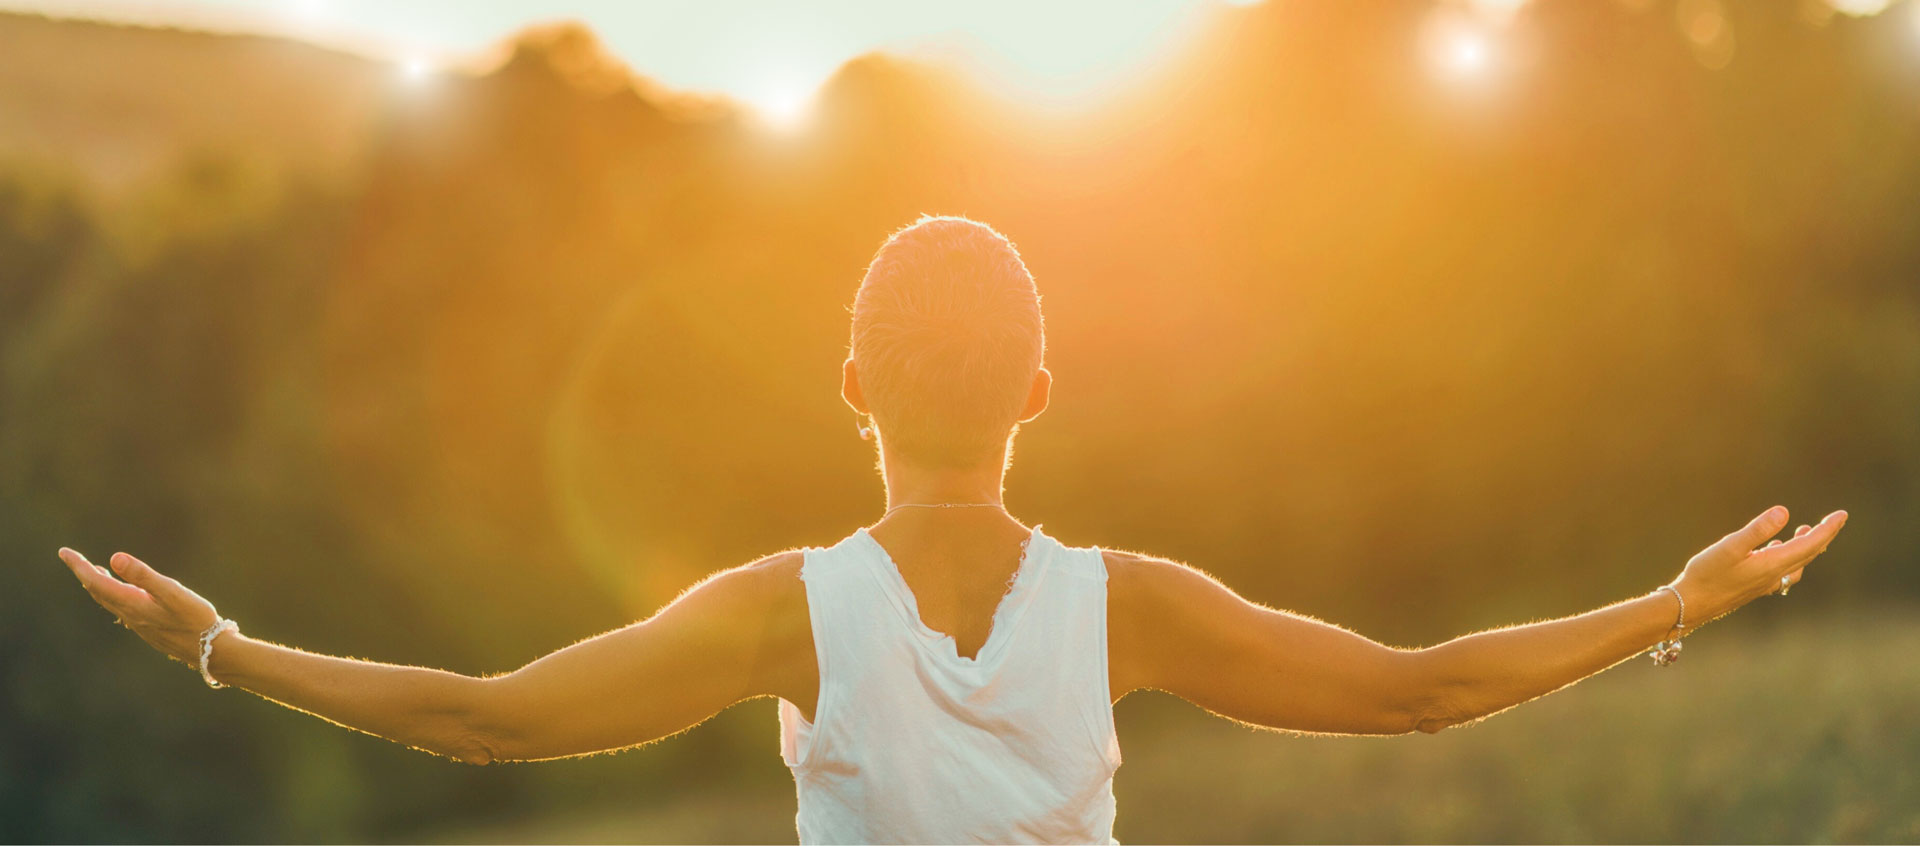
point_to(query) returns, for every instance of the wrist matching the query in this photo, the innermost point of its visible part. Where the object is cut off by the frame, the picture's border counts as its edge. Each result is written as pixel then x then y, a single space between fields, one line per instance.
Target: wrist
pixel 1672 610
pixel 216 646
pixel 1702 605
pixel 1670 602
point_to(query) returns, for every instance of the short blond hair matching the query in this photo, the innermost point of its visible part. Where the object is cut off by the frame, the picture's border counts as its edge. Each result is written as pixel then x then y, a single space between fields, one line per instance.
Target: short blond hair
pixel 947 339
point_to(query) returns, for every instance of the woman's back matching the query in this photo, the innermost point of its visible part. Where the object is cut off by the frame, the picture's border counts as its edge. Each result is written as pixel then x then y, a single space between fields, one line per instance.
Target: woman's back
pixel 957 565
pixel 914 740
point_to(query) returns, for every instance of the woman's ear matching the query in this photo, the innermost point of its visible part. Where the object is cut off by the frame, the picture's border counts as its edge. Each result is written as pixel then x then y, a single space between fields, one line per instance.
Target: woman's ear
pixel 850 387
pixel 1038 396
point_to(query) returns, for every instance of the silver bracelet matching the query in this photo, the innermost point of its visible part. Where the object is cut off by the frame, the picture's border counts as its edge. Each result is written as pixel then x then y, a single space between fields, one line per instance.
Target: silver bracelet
pixel 220 626
pixel 1668 651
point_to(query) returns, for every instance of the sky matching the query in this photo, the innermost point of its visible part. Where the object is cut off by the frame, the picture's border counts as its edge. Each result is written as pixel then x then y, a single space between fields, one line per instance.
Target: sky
pixel 773 54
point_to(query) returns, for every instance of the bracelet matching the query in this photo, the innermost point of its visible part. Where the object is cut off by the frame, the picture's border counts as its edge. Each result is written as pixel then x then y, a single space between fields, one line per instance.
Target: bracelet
pixel 220 626
pixel 1668 651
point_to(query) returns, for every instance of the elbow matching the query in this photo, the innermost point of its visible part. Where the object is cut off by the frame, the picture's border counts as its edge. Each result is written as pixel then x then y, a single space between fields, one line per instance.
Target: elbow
pixel 1424 714
pixel 467 735
pixel 1435 704
pixel 476 753
pixel 1434 715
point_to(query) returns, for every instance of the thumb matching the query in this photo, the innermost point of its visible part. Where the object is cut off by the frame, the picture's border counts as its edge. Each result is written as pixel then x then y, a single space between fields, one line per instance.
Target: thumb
pixel 1755 533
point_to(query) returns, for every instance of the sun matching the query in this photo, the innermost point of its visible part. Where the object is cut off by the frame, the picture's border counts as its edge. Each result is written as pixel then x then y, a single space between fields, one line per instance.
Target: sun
pixel 415 69
pixel 782 101
pixel 1467 54
pixel 1459 47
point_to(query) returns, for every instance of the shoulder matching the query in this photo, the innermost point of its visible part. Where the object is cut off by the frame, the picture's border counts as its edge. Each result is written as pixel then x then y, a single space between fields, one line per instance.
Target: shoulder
pixel 774 571
pixel 762 607
pixel 767 591
pixel 775 582
pixel 764 585
pixel 1155 607
pixel 1139 581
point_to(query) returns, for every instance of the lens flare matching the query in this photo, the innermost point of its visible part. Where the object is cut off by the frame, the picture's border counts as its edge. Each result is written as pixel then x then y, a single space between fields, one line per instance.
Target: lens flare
pixel 1459 47
pixel 1468 54
pixel 415 69
pixel 783 101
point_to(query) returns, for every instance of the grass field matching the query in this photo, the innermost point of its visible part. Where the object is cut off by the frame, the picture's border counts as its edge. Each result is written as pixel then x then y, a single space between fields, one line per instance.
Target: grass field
pixel 1800 731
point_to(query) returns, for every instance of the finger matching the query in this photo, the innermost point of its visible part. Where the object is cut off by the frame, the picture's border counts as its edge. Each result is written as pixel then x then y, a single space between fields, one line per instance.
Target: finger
pixel 164 590
pixel 1756 532
pixel 1803 548
pixel 1793 578
pixel 114 595
pixel 76 563
pixel 1775 542
pixel 1804 528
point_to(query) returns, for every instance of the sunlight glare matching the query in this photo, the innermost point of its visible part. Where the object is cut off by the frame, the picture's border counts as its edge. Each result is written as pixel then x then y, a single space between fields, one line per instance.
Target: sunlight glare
pixel 782 102
pixel 1459 47
pixel 1860 8
pixel 415 69
pixel 1064 53
pixel 1469 53
pixel 308 11
pixel 1052 52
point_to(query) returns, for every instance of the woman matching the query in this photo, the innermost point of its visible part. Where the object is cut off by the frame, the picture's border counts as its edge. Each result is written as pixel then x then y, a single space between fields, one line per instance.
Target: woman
pixel 948 673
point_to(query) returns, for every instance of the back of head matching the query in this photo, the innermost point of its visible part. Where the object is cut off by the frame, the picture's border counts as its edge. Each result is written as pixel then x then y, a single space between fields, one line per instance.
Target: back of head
pixel 947 339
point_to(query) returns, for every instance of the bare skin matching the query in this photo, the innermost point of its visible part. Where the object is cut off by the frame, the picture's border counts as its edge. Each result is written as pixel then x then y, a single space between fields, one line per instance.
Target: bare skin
pixel 744 633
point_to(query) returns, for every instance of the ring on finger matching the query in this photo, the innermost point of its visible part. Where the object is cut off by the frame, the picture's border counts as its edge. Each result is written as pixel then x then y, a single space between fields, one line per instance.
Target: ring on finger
pixel 1785 582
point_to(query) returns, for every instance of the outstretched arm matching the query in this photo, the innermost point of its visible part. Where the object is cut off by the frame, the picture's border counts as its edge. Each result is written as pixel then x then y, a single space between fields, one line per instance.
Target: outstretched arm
pixel 1176 629
pixel 737 635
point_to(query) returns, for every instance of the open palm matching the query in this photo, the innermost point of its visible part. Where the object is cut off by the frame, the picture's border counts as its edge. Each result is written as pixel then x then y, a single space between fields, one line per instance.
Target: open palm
pixel 1745 565
pixel 161 611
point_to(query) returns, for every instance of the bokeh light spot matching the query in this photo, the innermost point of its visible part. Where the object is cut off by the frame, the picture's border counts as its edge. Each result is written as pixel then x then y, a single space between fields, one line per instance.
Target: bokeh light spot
pixel 1705 25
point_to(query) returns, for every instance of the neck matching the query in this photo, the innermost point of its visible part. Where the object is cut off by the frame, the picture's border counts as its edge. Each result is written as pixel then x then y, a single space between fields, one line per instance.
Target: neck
pixel 908 484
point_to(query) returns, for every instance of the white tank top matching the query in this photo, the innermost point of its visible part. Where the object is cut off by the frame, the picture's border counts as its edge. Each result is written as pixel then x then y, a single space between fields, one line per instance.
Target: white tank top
pixel 912 743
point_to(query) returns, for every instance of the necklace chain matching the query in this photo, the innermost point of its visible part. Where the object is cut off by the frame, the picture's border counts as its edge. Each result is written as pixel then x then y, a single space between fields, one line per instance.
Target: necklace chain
pixel 890 511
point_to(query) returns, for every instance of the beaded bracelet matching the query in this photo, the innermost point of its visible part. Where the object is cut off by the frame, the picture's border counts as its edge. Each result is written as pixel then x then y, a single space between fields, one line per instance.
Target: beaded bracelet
pixel 1668 651
pixel 220 626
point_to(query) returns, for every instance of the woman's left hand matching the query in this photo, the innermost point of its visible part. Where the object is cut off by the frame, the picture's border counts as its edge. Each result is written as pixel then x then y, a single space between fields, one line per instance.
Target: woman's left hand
pixel 1744 566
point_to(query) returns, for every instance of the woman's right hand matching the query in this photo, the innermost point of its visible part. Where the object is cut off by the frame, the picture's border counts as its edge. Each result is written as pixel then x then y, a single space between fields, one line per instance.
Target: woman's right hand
pixel 1744 566
pixel 163 612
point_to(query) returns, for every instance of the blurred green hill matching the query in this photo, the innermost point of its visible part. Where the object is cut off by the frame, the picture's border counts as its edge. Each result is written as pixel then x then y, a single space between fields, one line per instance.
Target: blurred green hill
pixel 457 371
pixel 119 105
